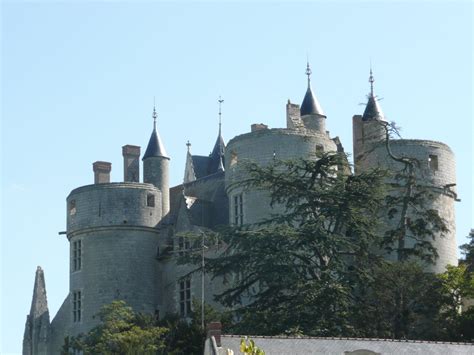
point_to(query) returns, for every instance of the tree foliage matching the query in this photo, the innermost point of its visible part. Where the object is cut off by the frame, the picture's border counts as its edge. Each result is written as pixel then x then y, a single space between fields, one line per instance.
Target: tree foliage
pixel 414 223
pixel 121 331
pixel 297 271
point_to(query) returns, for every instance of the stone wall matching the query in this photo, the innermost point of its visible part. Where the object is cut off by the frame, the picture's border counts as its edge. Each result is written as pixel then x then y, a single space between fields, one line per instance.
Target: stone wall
pixel 113 204
pixel 263 147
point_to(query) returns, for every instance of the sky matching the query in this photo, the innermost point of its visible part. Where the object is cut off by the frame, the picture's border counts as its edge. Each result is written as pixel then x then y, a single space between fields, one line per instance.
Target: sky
pixel 78 80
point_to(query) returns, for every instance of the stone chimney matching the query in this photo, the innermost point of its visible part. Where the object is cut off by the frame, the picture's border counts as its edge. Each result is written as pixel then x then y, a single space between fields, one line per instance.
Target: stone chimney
pixel 131 163
pixel 101 172
pixel 258 127
pixel 214 329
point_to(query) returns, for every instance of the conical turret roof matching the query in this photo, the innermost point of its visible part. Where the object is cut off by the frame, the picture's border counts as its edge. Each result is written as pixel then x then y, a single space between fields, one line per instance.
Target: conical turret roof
pixel 372 109
pixel 217 154
pixel 310 105
pixel 155 147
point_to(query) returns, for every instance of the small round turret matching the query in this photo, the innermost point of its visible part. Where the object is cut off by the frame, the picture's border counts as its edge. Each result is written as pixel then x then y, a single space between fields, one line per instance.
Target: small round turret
pixel 311 112
pixel 156 166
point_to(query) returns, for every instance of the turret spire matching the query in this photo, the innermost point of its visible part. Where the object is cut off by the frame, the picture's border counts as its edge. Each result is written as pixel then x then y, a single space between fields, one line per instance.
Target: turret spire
pixel 154 114
pixel 372 109
pixel 308 73
pixel 155 147
pixel 217 154
pixel 220 101
pixel 310 105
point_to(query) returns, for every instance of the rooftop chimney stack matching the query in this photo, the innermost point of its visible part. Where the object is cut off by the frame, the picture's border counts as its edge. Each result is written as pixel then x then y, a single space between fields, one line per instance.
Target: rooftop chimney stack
pixel 101 172
pixel 131 163
pixel 214 329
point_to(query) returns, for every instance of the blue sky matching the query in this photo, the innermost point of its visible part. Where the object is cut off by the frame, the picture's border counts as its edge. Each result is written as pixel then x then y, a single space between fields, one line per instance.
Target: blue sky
pixel 78 81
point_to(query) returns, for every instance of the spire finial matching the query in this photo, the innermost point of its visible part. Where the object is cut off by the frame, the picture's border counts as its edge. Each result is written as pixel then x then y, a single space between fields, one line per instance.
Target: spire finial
pixel 308 71
pixel 220 101
pixel 188 144
pixel 371 81
pixel 154 114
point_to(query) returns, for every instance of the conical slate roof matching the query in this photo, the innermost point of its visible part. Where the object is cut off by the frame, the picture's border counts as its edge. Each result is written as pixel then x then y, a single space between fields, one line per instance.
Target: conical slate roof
pixel 155 147
pixel 217 154
pixel 372 110
pixel 310 105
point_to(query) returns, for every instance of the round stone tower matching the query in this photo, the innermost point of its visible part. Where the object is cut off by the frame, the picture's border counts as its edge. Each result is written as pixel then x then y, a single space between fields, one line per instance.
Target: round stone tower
pixel 249 205
pixel 304 137
pixel 156 166
pixel 113 243
pixel 435 171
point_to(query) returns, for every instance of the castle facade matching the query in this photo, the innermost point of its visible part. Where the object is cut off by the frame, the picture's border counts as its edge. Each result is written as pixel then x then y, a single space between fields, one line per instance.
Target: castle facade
pixel 123 236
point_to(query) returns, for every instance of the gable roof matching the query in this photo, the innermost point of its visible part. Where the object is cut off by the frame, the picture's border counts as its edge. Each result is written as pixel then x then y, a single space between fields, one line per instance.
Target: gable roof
pixel 279 345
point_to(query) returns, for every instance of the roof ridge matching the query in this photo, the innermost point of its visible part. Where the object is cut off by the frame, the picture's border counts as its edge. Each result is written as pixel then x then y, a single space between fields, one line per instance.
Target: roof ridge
pixel 347 338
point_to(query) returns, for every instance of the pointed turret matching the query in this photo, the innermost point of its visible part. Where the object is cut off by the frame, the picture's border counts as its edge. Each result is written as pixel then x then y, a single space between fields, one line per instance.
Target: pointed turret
pixel 368 129
pixel 189 173
pixel 310 105
pixel 312 115
pixel 156 166
pixel 155 147
pixel 217 154
pixel 372 109
pixel 37 322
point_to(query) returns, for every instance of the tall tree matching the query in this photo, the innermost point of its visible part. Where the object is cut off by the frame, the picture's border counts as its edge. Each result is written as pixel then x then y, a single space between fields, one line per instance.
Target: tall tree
pixel 414 224
pixel 297 272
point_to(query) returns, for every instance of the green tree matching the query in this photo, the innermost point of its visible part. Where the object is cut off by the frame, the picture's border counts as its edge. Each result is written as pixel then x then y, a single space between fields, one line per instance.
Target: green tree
pixel 415 225
pixel 467 250
pixel 401 301
pixel 297 272
pixel 457 286
pixel 120 332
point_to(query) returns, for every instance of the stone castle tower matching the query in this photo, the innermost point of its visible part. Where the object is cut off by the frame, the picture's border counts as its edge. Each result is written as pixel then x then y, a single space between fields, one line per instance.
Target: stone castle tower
pixel 124 236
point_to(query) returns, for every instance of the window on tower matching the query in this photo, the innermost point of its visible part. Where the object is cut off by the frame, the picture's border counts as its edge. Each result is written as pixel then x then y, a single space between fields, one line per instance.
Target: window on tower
pixel 76 306
pixel 150 200
pixel 72 207
pixel 183 245
pixel 185 297
pixel 238 210
pixel 77 255
pixel 433 162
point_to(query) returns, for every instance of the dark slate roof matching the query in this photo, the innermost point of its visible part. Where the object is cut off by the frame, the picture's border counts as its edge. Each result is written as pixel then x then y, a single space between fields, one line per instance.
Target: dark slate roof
pixel 337 346
pixel 372 110
pixel 155 147
pixel 201 166
pixel 217 155
pixel 310 105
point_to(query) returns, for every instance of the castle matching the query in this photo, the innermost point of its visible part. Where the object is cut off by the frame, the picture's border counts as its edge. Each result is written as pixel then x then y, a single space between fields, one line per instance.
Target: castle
pixel 123 235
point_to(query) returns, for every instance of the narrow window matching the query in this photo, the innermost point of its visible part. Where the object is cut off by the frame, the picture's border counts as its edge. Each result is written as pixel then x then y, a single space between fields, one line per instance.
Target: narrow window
pixel 233 158
pixel 183 245
pixel 76 306
pixel 185 297
pixel 238 210
pixel 76 255
pixel 319 149
pixel 150 200
pixel 433 162
pixel 72 207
